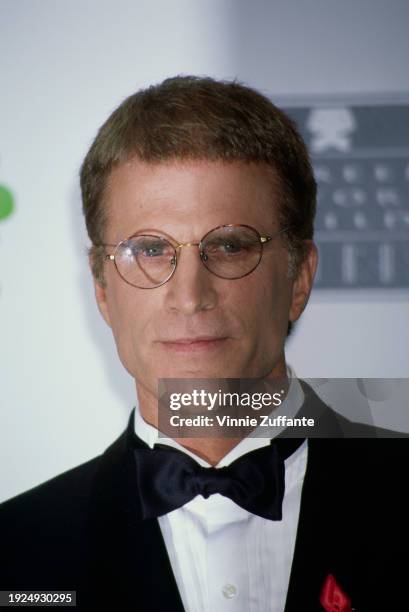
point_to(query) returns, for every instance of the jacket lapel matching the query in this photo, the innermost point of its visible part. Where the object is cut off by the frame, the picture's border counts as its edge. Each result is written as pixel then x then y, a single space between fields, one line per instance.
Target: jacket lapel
pixel 129 565
pixel 311 561
pixel 329 535
pixel 321 546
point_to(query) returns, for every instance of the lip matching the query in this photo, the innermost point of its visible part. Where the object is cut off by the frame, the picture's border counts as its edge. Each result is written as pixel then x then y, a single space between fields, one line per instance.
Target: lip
pixel 195 344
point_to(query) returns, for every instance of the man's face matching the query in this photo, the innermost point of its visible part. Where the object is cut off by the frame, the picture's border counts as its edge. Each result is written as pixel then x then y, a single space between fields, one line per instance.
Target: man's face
pixel 196 324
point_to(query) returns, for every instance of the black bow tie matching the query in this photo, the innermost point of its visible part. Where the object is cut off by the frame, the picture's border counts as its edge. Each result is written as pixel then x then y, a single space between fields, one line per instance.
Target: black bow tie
pixel 169 478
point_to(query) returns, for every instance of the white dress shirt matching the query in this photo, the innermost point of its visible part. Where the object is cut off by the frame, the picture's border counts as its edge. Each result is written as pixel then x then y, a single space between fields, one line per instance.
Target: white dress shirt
pixel 223 557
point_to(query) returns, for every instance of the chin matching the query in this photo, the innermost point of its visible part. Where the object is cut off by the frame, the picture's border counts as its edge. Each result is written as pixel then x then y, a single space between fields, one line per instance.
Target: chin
pixel 197 370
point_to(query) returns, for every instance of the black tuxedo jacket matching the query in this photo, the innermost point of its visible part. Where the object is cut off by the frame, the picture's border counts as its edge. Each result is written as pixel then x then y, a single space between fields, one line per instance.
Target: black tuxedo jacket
pixel 82 530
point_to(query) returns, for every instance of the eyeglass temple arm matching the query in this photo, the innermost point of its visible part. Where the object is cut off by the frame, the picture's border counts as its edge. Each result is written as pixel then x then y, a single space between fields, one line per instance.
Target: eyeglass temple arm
pixel 264 239
pixel 107 256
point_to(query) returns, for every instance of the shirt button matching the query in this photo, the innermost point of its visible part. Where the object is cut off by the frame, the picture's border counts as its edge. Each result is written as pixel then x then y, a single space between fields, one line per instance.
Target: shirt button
pixel 229 591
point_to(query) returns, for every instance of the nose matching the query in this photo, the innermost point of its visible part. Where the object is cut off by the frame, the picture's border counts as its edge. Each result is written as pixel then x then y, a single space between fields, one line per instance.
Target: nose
pixel 192 287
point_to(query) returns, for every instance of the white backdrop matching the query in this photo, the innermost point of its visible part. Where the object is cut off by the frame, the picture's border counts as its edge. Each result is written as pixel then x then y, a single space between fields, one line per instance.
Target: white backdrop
pixel 64 67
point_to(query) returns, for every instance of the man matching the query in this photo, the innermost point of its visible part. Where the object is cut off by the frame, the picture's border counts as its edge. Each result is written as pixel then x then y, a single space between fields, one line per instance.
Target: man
pixel 199 201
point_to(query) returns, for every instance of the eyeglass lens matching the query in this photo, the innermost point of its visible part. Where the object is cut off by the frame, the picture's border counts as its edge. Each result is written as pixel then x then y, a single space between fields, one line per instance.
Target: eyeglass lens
pixel 148 261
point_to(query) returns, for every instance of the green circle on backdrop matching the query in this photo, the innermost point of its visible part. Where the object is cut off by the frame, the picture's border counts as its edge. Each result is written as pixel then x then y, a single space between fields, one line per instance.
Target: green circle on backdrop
pixel 6 202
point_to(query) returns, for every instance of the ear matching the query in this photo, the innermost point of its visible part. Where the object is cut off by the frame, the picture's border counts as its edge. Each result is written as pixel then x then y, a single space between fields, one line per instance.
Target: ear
pixel 303 282
pixel 100 295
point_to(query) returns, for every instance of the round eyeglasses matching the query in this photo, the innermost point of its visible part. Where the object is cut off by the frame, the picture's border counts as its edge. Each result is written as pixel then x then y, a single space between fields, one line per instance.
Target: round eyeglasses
pixel 147 261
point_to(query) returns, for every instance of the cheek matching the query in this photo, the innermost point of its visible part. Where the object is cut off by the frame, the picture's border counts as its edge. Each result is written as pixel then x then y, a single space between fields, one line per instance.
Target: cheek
pixel 128 317
pixel 269 295
pixel 265 308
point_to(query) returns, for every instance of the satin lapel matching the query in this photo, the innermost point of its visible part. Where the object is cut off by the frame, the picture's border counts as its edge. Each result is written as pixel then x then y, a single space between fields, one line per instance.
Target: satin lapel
pixel 129 565
pixel 311 562
pixel 320 512
pixel 329 530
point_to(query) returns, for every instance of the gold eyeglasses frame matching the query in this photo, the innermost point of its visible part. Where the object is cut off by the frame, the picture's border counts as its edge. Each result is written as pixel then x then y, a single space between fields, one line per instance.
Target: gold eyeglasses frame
pixel 263 239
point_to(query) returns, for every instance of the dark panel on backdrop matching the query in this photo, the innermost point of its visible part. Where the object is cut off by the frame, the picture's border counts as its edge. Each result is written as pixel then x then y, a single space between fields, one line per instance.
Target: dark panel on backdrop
pixel 360 154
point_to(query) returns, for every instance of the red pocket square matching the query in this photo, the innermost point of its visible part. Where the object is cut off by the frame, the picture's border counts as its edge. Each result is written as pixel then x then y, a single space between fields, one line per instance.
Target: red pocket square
pixel 333 598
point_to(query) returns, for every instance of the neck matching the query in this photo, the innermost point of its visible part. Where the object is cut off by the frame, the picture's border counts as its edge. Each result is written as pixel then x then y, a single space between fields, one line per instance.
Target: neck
pixel 211 450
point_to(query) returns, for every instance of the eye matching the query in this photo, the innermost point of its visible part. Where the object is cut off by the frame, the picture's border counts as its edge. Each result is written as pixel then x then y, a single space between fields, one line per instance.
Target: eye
pixel 152 250
pixel 228 246
pixel 231 246
pixel 147 247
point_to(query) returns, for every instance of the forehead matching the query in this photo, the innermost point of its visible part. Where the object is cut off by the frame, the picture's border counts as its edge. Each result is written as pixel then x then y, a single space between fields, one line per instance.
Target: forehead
pixel 190 196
